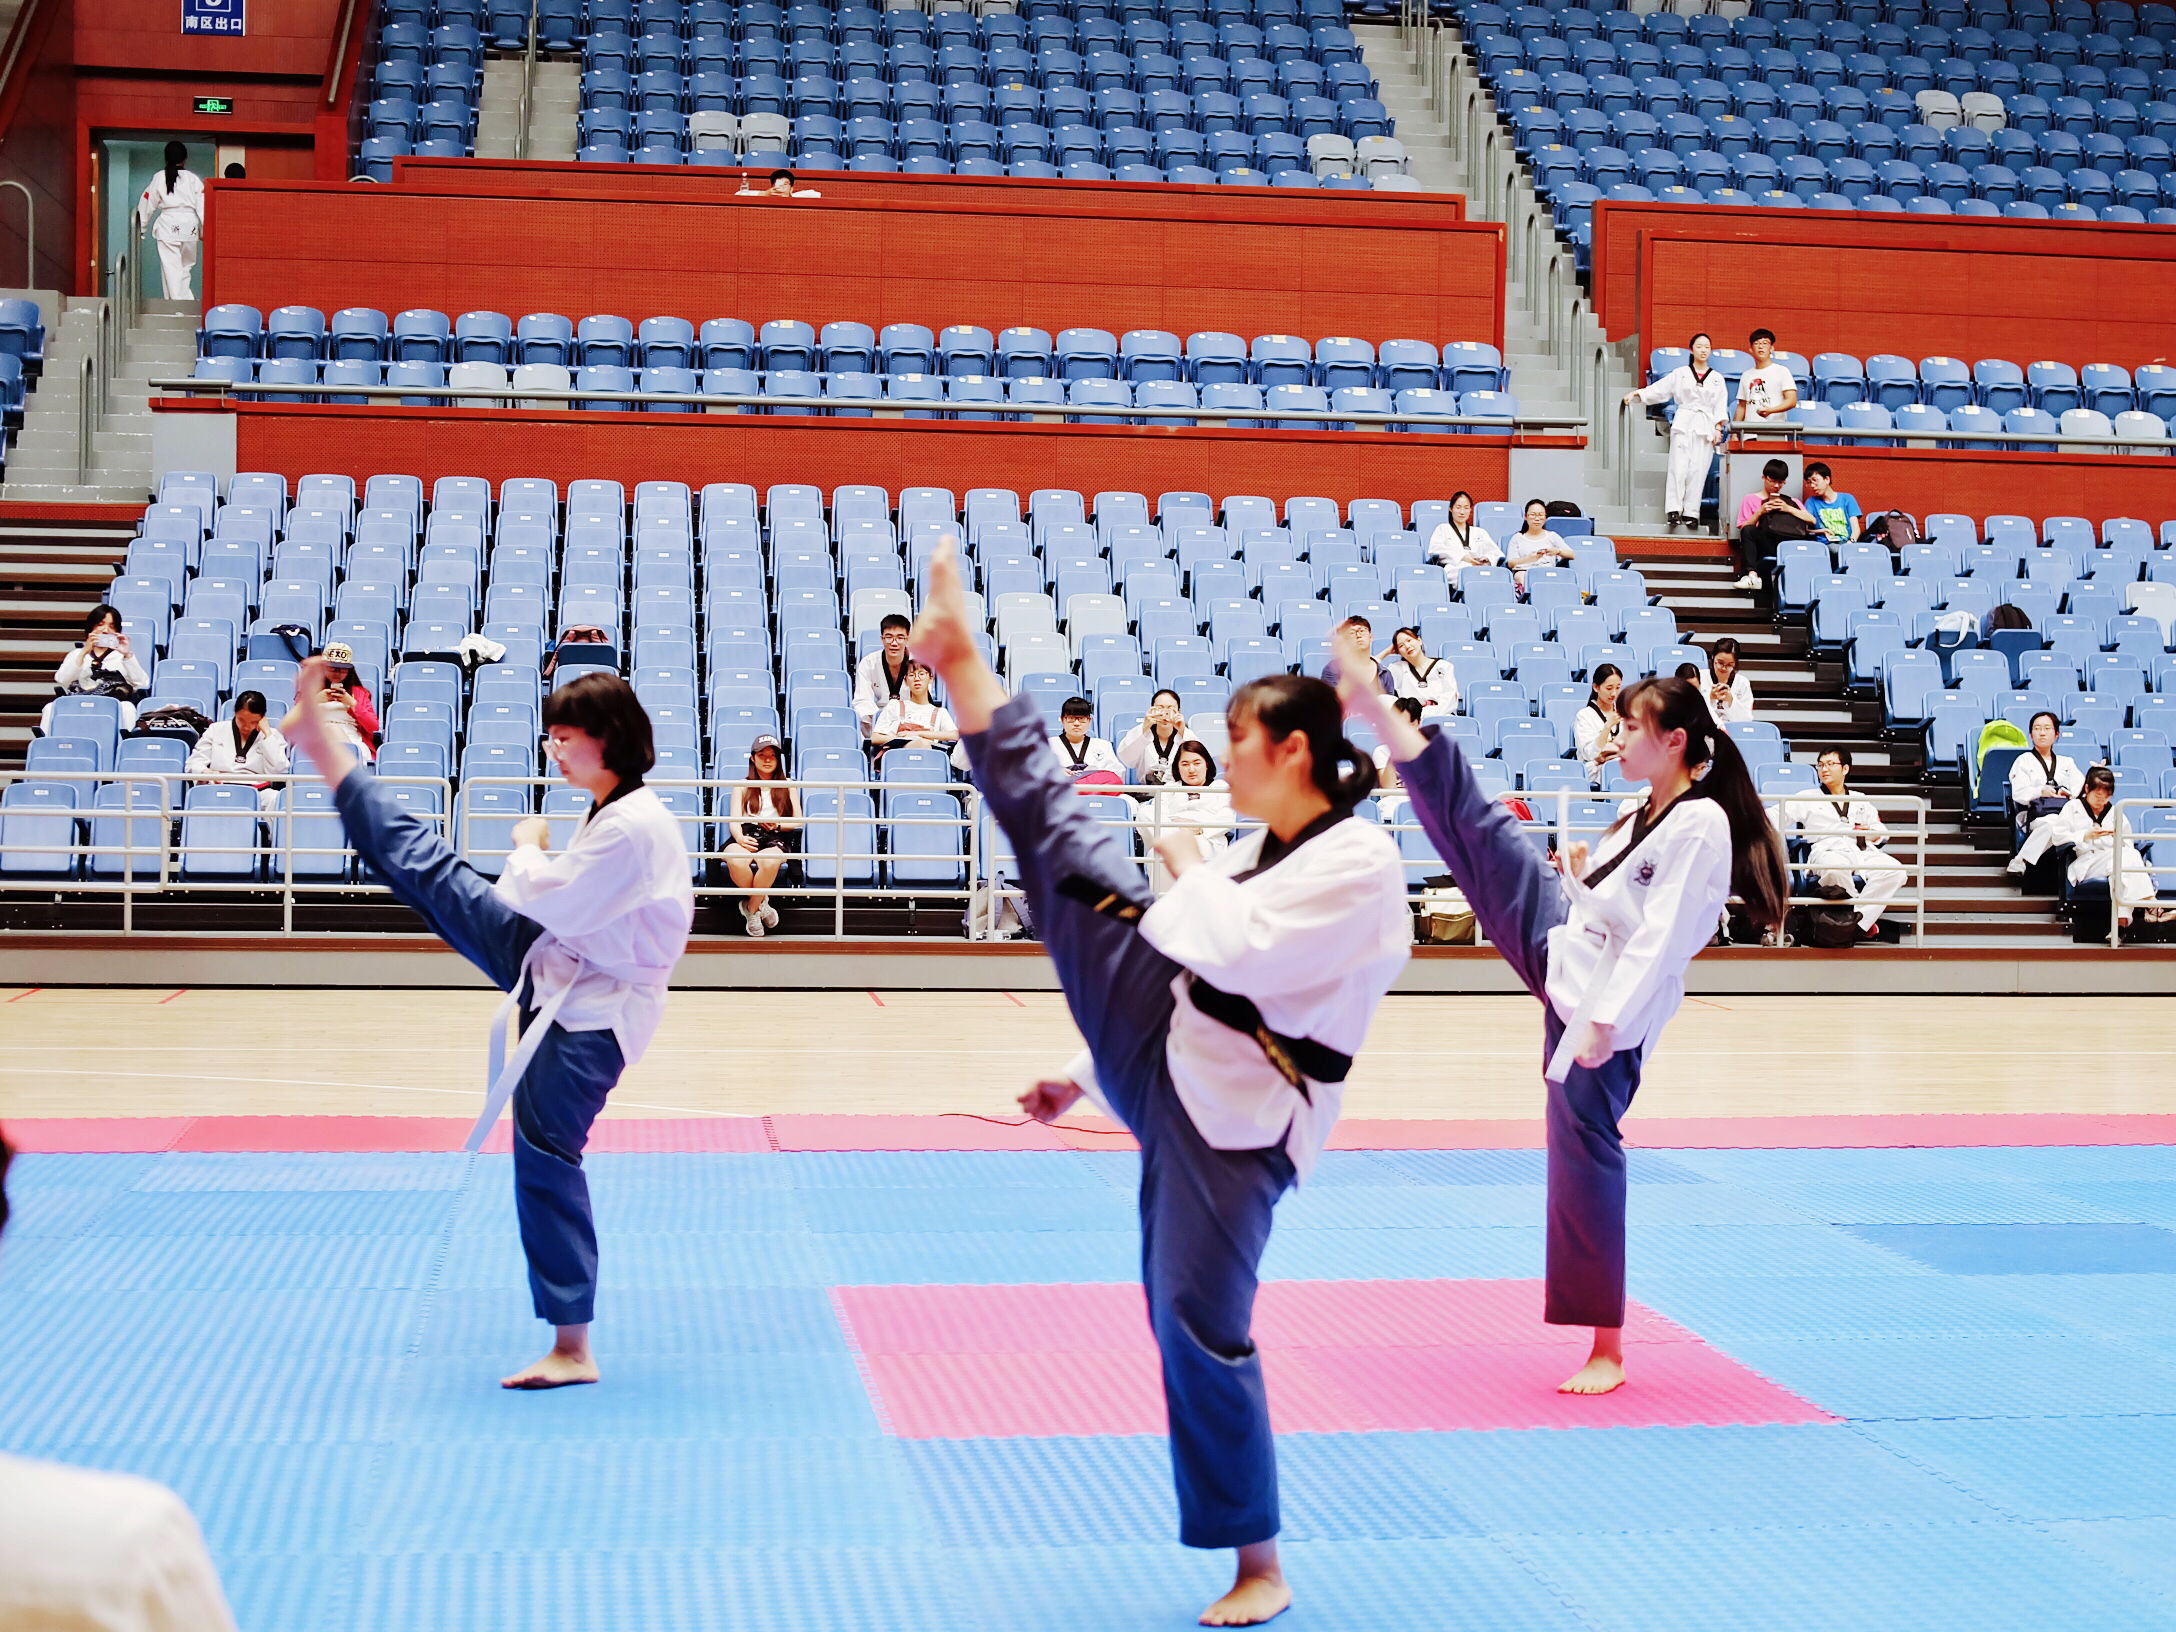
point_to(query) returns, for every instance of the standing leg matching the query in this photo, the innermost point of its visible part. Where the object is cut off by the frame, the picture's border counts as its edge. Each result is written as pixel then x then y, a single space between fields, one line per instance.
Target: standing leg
pixel 1883 876
pixel 1585 1273
pixel 1687 474
pixel 1116 984
pixel 558 1099
pixel 1205 1220
pixel 1513 892
pixel 420 868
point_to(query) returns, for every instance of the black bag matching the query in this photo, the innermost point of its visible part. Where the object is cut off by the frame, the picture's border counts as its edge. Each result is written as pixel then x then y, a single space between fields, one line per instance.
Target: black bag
pixel 1893 528
pixel 175 720
pixel 2048 804
pixel 1564 507
pixel 1832 925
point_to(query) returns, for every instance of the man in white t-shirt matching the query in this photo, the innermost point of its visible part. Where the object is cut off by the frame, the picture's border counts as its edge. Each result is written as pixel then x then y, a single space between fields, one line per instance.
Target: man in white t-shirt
pixel 104 1551
pixel 1766 391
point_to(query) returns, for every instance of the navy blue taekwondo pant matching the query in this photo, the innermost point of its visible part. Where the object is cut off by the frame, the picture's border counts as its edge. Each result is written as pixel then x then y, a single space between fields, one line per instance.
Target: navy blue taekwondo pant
pixel 565 1085
pixel 1518 899
pixel 1205 1213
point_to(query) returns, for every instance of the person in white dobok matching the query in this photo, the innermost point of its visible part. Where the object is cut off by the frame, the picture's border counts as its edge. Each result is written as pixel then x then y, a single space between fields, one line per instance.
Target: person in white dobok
pixel 1845 841
pixel 1701 423
pixel 2097 831
pixel 2042 783
pixel 1462 542
pixel 1729 693
pixel 1429 681
pixel 172 211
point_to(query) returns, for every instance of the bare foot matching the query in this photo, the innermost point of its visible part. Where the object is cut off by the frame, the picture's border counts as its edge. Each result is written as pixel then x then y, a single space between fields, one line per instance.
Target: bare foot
pixel 560 1368
pixel 1250 1603
pixel 1595 1377
pixel 1260 1593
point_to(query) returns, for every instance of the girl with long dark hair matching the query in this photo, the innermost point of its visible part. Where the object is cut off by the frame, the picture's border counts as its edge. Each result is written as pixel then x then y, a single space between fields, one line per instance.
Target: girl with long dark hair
pixel 1604 947
pixel 171 210
pixel 1221 1023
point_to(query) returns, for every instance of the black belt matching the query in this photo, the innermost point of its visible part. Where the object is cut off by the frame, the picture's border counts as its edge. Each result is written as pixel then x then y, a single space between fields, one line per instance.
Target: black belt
pixel 1296 1059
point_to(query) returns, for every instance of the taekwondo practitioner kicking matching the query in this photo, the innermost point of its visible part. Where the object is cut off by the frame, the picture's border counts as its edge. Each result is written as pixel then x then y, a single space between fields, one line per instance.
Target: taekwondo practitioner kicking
pixel 1221 1021
pixel 582 943
pixel 1604 947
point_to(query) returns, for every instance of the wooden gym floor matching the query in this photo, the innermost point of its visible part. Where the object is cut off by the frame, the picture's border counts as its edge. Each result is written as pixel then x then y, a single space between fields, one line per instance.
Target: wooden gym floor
pixel 116 1052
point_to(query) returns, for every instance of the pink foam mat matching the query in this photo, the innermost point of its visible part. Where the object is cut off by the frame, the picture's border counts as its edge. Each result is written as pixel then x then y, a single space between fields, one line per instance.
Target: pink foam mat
pixel 960 1132
pixel 952 1362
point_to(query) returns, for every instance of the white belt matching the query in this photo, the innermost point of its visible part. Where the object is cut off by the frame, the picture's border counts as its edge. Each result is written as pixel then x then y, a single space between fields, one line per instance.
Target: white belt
pixel 1564 1057
pixel 505 1073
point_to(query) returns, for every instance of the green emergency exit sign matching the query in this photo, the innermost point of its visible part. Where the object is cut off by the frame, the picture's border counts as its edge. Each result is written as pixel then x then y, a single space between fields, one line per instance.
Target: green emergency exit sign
pixel 213 104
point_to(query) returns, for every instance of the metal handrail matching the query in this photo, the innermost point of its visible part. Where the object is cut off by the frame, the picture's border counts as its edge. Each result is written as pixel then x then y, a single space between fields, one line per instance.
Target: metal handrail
pixel 2126 835
pixel 86 428
pixel 528 87
pixel 30 233
pixel 127 292
pixel 340 52
pixel 876 407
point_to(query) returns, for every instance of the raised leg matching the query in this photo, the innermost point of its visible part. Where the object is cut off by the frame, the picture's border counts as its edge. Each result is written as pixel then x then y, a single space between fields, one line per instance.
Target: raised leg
pixel 420 868
pixel 1513 892
pixel 1116 984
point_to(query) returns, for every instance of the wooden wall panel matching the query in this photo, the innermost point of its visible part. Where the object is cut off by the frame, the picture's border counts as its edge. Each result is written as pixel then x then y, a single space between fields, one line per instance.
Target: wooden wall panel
pixel 285 37
pixel 40 150
pixel 1920 286
pixel 763 449
pixel 1052 257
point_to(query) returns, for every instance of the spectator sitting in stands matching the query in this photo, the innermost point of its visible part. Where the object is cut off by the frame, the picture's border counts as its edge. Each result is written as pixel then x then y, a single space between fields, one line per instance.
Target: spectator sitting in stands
pixel 913 720
pixel 349 713
pixel 1845 836
pixel 1461 543
pixel 2096 830
pixel 103 666
pixel 782 186
pixel 1691 673
pixel 1729 693
pixel 1414 674
pixel 1151 749
pixel 1766 391
pixel 243 749
pixel 1765 519
pixel 765 825
pixel 1836 514
pixel 2042 784
pixel 1596 728
pixel 1389 786
pixel 1079 754
pixel 1353 641
pixel 1534 544
pixel 882 675
pixel 107 1551
pixel 1197 800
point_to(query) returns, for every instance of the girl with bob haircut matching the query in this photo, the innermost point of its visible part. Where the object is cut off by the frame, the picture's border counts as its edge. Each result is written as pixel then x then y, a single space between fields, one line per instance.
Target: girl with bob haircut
pixel 1604 947
pixel 582 943
pixel 1221 1021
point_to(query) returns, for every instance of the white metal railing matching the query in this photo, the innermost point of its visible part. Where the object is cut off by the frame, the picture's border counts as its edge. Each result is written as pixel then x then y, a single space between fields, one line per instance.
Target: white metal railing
pixel 528 88
pixel 2122 873
pixel 930 411
pixel 850 873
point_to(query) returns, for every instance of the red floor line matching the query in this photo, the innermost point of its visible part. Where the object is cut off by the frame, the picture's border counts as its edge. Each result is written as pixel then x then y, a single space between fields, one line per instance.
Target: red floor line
pixel 812 1132
pixel 878 1001
pixel 1014 1001
pixel 170 996
pixel 33 992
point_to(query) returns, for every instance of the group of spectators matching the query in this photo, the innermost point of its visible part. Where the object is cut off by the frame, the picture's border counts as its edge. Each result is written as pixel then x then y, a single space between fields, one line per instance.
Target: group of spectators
pixel 1702 420
pixel 2060 806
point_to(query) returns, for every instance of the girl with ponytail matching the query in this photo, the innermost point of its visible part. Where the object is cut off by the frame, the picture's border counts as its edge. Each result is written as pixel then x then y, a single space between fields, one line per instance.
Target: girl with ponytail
pixel 1221 1020
pixel 1604 946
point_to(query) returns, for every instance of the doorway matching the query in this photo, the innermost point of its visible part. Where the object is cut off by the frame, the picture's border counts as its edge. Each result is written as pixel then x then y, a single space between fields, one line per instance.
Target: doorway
pixel 126 166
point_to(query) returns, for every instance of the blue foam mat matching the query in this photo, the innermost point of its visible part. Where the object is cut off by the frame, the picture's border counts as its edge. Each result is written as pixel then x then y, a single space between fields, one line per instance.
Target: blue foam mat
pixel 2029 1249
pixel 344 1318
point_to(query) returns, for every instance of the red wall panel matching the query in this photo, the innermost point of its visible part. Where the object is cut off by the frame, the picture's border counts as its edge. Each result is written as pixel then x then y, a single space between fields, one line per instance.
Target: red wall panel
pixel 289 37
pixel 1920 286
pixel 536 178
pixel 763 449
pixel 1049 256
pixel 38 118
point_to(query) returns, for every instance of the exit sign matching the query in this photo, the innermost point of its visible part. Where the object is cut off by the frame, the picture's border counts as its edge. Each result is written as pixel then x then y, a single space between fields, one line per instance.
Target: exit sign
pixel 213 104
pixel 214 16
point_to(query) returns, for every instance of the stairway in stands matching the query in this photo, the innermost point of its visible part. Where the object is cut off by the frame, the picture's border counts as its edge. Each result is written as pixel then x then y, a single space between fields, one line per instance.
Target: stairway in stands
pixel 51 574
pixel 46 464
pixel 1971 902
pixel 1538 380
